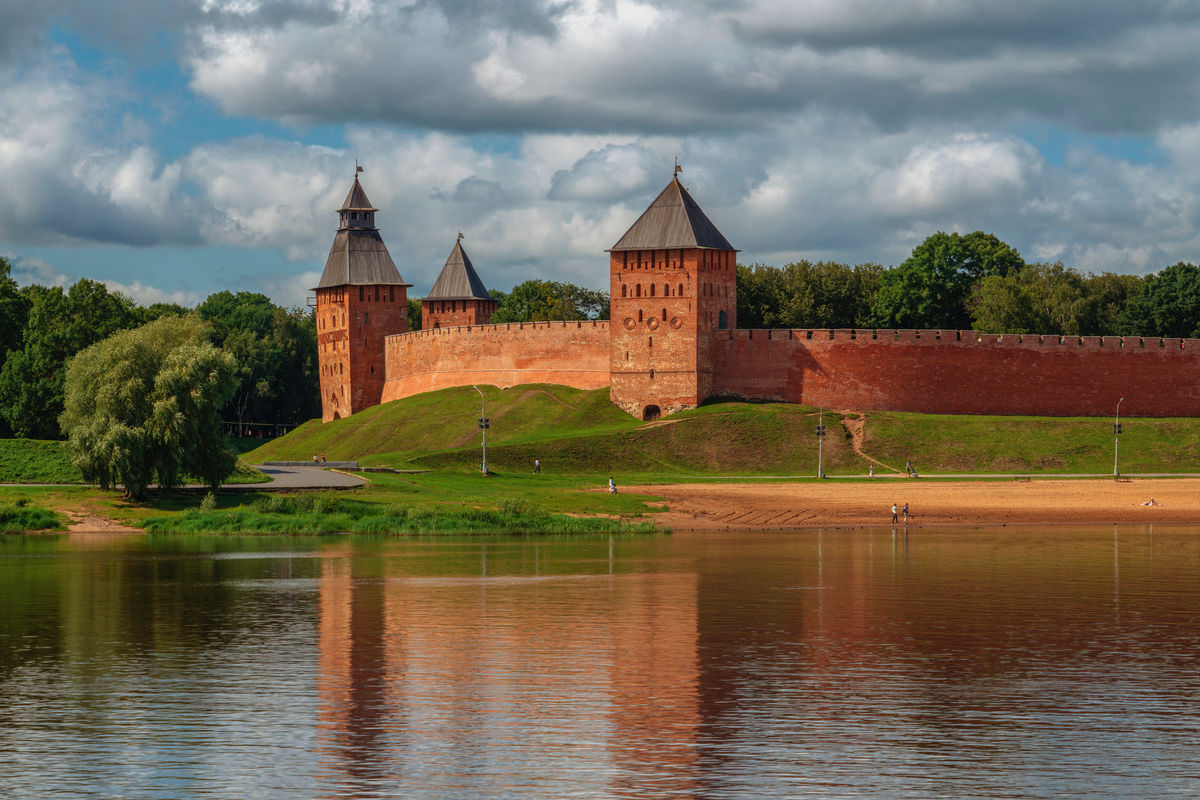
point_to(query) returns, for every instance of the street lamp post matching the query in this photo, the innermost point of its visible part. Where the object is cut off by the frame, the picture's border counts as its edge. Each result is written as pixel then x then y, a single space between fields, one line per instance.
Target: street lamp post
pixel 483 426
pixel 820 442
pixel 1117 438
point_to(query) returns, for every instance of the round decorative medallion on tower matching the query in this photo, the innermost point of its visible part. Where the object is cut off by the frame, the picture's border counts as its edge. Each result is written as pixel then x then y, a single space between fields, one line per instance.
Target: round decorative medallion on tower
pixel 361 299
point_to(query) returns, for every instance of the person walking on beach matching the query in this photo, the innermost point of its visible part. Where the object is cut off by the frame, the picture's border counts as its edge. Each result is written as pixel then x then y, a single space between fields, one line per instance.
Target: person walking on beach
pixel 895 514
pixel 905 513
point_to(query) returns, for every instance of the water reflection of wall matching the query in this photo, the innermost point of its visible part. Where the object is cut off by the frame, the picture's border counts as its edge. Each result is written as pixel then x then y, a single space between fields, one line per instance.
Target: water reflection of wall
pixel 545 685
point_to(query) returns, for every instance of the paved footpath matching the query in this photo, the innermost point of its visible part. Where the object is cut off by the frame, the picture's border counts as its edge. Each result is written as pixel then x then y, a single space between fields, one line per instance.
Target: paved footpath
pixel 282 479
pixel 298 478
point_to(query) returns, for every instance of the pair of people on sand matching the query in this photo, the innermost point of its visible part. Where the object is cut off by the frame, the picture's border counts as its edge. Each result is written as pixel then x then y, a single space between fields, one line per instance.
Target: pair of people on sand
pixel 896 512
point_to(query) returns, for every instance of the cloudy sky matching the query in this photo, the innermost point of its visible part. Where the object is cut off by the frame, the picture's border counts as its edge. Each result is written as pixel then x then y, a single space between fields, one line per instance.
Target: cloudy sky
pixel 174 149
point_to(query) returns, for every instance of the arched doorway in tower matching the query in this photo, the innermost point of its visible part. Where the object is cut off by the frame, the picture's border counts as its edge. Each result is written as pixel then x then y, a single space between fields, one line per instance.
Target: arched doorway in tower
pixel 651 413
pixel 723 321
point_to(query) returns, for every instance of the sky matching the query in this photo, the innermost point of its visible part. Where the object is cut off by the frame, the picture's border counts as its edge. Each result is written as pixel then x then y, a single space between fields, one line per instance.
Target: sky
pixel 175 149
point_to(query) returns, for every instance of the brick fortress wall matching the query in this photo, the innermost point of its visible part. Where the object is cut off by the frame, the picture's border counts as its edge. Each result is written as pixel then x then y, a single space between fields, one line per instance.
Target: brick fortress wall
pixel 351 326
pixel 568 353
pixel 960 372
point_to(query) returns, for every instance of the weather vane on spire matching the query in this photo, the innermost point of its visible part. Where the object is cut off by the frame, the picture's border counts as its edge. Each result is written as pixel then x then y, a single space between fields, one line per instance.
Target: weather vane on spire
pixel 460 236
pixel 357 168
pixel 678 169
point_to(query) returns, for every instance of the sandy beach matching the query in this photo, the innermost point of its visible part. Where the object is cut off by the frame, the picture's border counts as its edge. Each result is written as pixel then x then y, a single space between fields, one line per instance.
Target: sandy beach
pixel 778 505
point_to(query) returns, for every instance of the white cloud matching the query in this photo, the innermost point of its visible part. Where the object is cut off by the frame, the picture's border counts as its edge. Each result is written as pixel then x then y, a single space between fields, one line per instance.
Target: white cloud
pixel 936 178
pixel 144 294
pixel 842 129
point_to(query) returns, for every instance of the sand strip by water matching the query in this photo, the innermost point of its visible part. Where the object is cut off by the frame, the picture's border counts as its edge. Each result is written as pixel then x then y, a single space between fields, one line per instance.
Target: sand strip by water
pixel 721 506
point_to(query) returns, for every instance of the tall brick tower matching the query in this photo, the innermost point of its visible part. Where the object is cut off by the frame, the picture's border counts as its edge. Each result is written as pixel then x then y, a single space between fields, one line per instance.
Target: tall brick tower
pixel 673 282
pixel 458 297
pixel 361 299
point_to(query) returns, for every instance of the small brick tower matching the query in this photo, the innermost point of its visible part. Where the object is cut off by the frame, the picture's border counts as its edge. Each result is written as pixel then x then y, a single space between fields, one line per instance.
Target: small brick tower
pixel 673 283
pixel 458 297
pixel 361 298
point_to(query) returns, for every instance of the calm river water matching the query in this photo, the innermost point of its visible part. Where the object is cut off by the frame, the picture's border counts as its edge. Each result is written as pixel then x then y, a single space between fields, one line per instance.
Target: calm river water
pixel 945 664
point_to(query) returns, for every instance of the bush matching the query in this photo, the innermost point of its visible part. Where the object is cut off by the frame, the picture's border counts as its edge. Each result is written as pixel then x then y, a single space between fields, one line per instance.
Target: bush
pixel 18 516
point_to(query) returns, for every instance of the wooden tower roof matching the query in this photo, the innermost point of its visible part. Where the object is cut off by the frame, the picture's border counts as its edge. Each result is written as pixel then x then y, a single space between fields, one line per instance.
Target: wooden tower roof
pixel 673 220
pixel 458 279
pixel 358 255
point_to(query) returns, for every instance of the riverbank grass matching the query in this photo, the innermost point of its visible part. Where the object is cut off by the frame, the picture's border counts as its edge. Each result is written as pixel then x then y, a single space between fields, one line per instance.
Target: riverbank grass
pixel 19 515
pixel 318 514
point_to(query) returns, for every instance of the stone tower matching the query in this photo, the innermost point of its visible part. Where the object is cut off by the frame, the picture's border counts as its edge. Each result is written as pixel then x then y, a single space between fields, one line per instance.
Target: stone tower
pixel 458 297
pixel 361 299
pixel 673 283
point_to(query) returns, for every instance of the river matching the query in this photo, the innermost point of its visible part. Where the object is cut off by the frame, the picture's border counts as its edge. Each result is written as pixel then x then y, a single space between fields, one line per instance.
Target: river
pixel 945 663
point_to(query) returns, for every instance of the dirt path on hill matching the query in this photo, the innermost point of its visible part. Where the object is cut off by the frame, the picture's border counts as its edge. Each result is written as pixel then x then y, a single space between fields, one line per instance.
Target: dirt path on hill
pixel 779 505
pixel 855 424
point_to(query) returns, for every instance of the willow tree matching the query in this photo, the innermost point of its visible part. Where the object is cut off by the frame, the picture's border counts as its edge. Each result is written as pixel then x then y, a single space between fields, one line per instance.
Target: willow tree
pixel 144 406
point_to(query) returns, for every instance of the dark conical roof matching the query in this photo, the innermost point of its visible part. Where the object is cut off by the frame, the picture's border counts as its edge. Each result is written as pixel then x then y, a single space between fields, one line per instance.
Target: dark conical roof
pixel 673 220
pixel 358 255
pixel 357 200
pixel 458 279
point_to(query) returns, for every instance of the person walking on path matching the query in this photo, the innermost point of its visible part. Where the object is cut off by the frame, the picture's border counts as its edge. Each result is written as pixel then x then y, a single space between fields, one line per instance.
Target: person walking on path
pixel 537 466
pixel 612 487
pixel 908 468
pixel 871 472
pixel 895 514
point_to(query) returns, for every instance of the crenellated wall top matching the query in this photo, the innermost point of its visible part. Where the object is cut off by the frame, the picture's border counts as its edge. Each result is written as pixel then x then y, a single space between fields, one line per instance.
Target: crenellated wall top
pixel 961 337
pixel 553 325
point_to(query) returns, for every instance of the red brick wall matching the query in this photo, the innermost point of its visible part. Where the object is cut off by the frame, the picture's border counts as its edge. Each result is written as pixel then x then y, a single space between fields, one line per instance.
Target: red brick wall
pixel 455 313
pixel 662 305
pixel 961 372
pixel 352 322
pixel 568 353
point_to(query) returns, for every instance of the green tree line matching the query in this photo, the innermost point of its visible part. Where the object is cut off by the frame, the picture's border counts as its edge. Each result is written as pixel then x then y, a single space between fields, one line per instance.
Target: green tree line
pixel 971 281
pixel 43 327
pixel 950 281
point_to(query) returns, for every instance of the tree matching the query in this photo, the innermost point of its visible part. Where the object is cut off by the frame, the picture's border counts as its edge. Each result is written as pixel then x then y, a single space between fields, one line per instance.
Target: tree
pixel 14 311
pixel 414 313
pixel 144 405
pixel 276 351
pixel 806 295
pixel 930 289
pixel 1109 295
pixel 1168 306
pixel 59 325
pixel 538 300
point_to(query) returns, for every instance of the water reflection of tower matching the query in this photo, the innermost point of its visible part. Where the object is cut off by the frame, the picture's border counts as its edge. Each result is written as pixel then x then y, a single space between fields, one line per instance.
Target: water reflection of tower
pixel 354 666
pixel 564 682
pixel 654 713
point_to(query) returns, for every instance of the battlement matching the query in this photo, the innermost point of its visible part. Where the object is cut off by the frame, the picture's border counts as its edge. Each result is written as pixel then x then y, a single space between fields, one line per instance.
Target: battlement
pixel 968 337
pixel 506 327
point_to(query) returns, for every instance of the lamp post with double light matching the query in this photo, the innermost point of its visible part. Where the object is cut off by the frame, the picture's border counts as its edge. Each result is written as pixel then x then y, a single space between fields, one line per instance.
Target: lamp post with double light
pixel 483 426
pixel 820 443
pixel 1117 438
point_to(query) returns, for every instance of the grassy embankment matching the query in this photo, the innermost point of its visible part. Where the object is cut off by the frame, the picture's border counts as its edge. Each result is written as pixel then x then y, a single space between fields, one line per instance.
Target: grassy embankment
pixel 581 439
pixel 583 434
pixel 41 461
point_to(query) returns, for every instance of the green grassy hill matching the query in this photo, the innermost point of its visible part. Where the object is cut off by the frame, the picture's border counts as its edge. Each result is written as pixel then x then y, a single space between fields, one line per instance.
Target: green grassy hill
pixel 578 432
pixel 571 431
